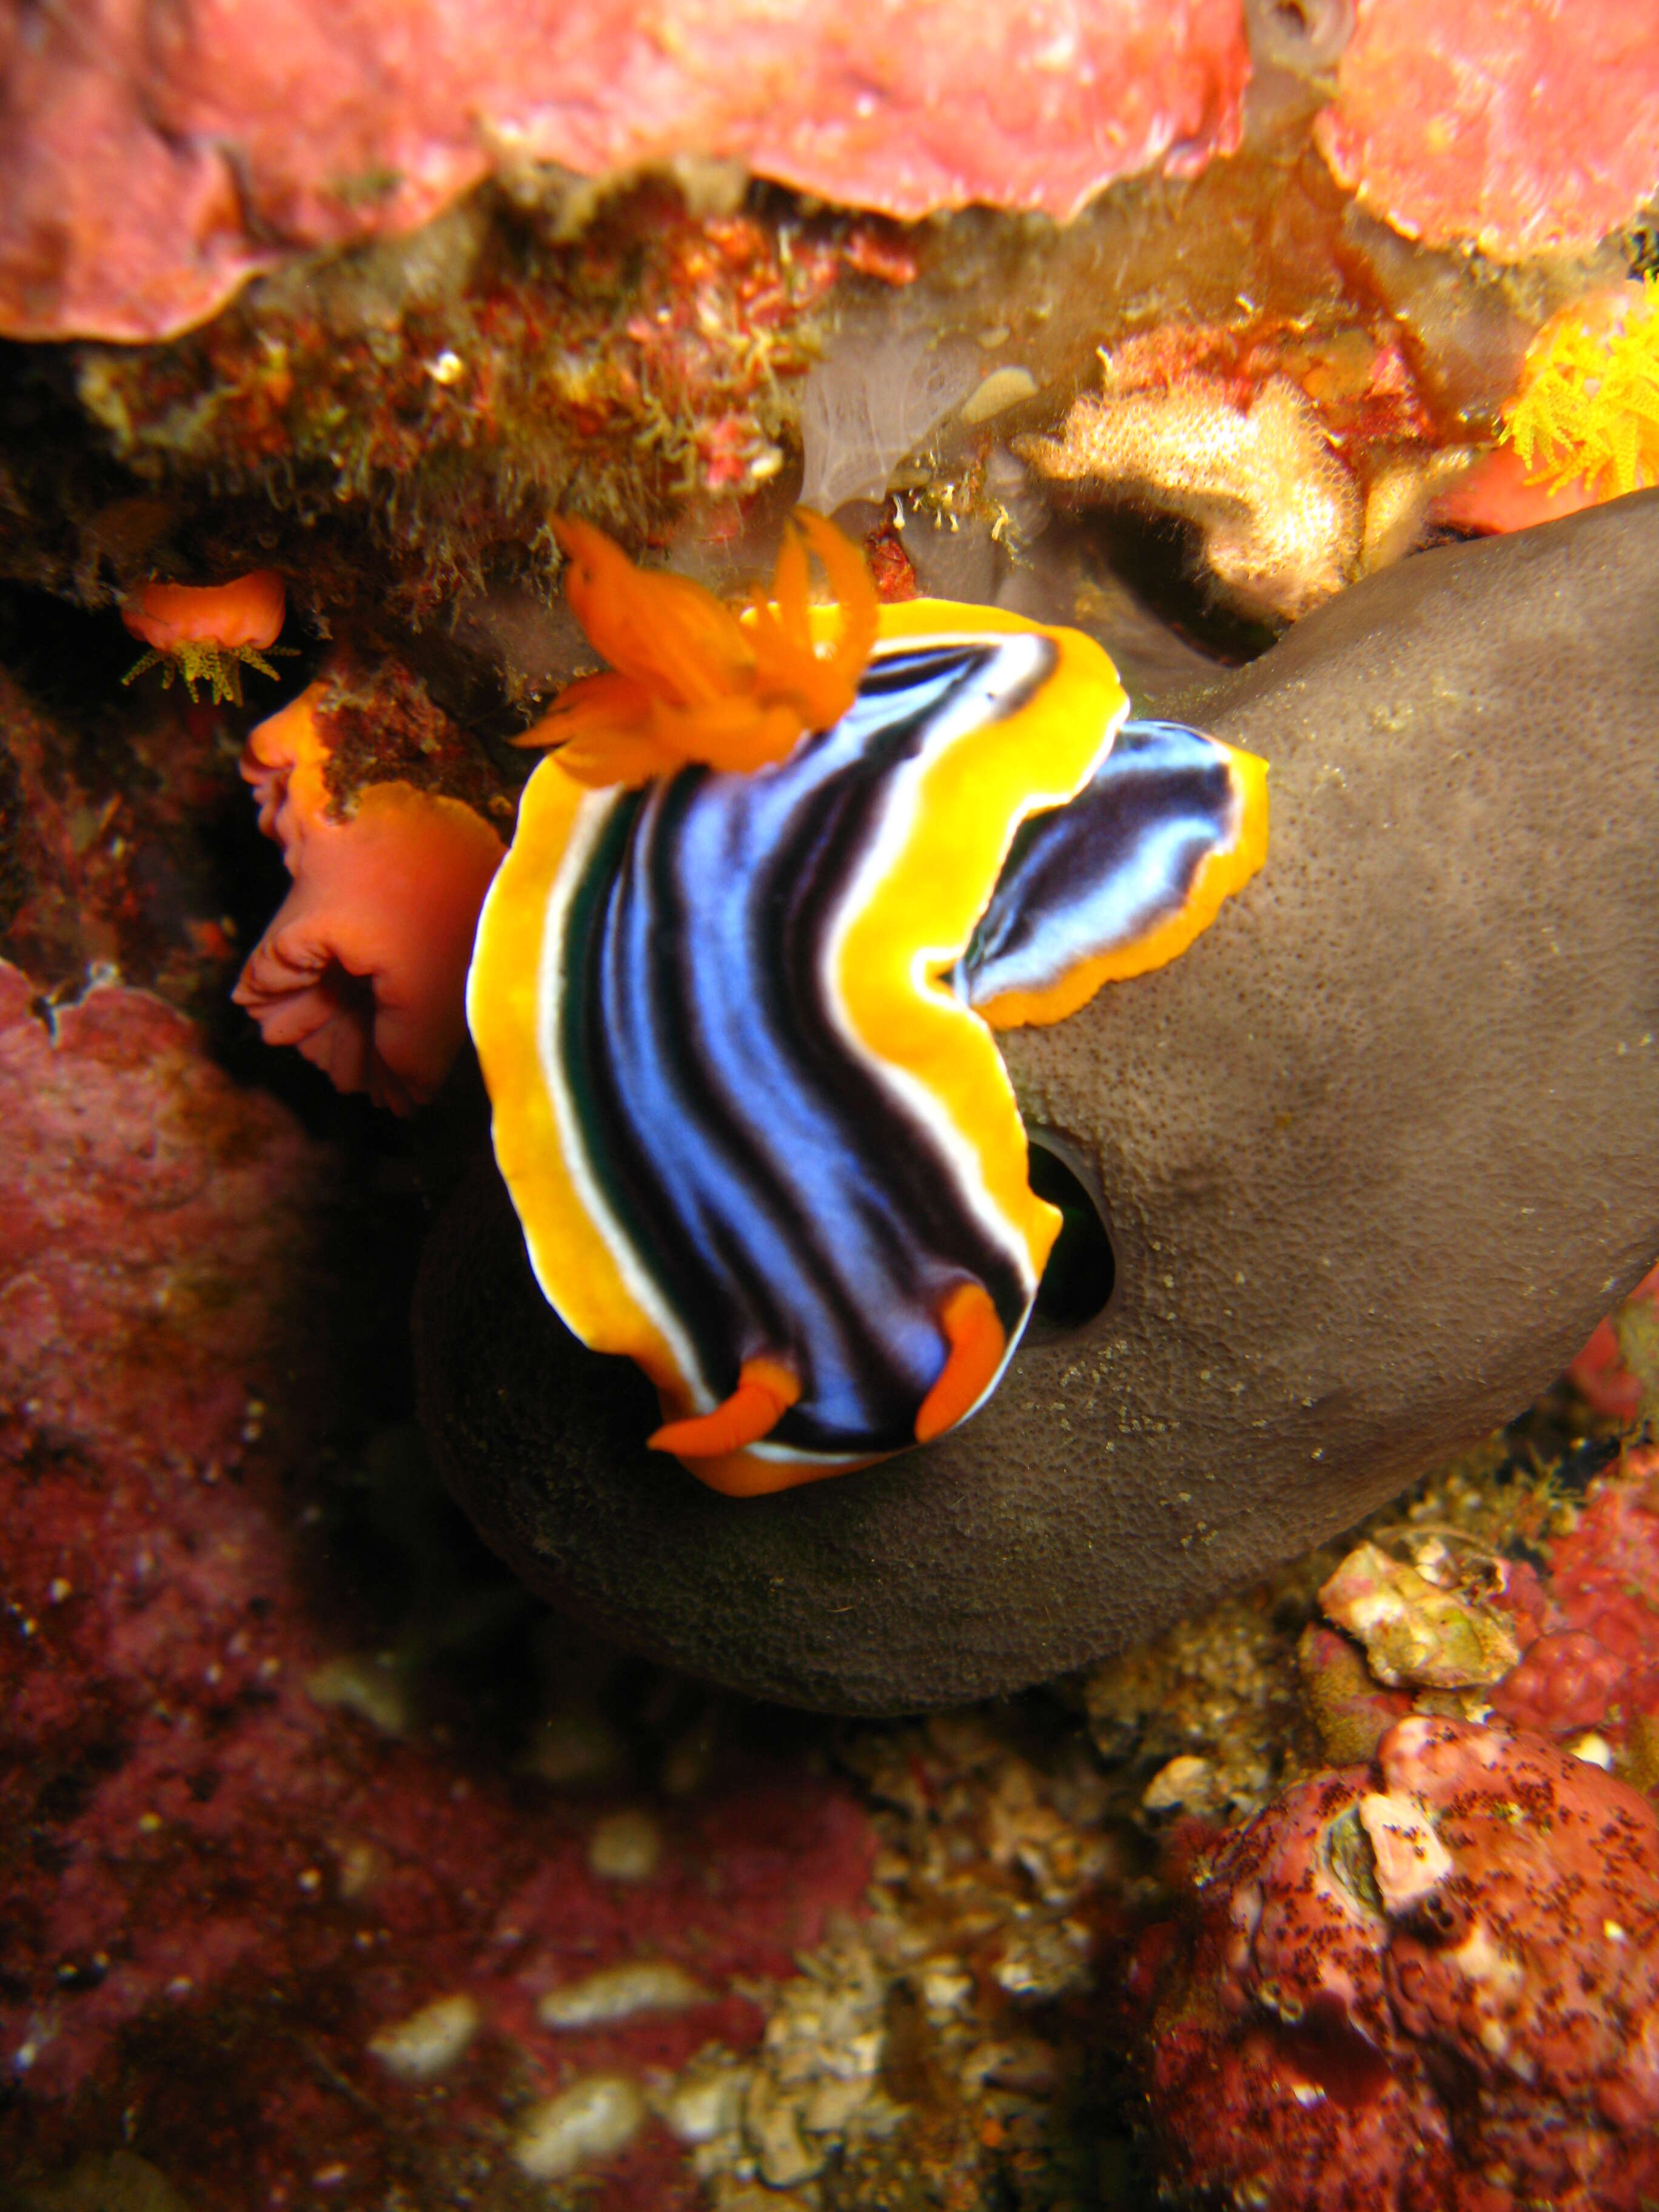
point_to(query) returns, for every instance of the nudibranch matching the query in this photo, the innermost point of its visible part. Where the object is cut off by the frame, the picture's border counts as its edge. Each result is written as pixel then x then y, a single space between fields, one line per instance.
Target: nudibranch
pixel 1355 1218
pixel 204 633
pixel 734 988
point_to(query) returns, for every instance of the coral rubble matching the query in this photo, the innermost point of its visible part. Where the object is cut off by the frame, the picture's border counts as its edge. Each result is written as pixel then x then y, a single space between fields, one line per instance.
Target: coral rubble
pixel 1572 1652
pixel 1419 1627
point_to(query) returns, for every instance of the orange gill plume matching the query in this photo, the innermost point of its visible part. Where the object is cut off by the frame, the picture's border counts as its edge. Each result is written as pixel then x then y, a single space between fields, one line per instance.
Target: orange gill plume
pixel 690 680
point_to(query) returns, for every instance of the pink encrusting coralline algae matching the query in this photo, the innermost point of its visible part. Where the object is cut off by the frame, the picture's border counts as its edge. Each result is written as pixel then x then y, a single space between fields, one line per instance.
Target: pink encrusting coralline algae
pixel 1430 1982
pixel 1597 1665
pixel 144 178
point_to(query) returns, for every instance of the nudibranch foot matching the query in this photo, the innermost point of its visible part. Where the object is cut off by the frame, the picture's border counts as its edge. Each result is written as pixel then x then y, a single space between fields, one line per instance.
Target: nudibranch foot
pixel 745 1091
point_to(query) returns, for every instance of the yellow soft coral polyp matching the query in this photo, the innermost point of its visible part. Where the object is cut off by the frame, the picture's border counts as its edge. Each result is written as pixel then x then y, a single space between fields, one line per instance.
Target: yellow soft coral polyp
pixel 1587 405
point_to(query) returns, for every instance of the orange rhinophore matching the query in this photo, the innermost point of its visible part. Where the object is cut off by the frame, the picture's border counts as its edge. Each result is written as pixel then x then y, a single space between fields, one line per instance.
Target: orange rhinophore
pixel 204 634
pixel 690 680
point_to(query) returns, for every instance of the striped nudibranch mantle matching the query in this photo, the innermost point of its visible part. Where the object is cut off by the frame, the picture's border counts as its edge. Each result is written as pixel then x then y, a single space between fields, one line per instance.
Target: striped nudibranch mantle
pixel 736 1021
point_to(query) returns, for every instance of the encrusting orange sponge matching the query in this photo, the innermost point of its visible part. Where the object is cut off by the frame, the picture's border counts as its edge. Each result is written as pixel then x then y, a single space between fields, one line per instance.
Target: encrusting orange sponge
pixel 364 966
pixel 205 633
pixel 690 680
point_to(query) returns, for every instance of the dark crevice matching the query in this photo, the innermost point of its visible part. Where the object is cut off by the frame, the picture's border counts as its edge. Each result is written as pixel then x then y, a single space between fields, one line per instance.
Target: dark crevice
pixel 1160 557
pixel 1077 1282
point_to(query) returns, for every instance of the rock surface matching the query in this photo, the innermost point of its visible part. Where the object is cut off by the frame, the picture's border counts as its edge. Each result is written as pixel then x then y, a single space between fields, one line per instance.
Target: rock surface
pixel 1358 1152
pixel 153 155
pixel 273 1908
pixel 155 1227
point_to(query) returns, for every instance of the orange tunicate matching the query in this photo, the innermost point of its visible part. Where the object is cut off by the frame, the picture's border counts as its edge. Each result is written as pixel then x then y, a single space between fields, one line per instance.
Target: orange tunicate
pixel 690 680
pixel 1498 495
pixel 364 966
pixel 248 611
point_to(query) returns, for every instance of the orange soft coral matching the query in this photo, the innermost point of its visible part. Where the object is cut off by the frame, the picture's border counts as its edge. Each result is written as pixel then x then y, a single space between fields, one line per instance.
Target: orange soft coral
pixel 205 634
pixel 364 966
pixel 691 680
pixel 1584 424
pixel 1587 405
